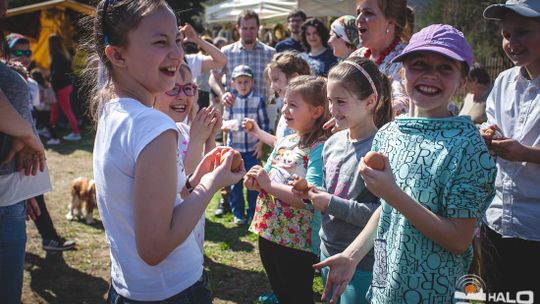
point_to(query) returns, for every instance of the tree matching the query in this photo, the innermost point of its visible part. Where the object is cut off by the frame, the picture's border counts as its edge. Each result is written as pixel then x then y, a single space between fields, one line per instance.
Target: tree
pixel 467 16
pixel 190 11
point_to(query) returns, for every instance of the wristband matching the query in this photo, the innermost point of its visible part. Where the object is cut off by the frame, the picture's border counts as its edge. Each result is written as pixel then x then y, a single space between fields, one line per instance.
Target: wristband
pixel 189 187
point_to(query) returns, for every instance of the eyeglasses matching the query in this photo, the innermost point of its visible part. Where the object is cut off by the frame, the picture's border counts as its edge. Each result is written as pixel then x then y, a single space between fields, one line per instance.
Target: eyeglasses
pixel 189 89
pixel 20 53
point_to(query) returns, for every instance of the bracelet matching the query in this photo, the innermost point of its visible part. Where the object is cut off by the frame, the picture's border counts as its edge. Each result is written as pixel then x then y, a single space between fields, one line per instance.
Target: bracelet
pixel 307 201
pixel 189 187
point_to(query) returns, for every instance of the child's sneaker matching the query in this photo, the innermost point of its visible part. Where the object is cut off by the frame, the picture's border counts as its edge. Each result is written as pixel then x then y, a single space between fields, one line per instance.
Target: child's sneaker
pixel 44 132
pixel 268 299
pixel 72 137
pixel 53 141
pixel 58 245
pixel 239 221
pixel 223 206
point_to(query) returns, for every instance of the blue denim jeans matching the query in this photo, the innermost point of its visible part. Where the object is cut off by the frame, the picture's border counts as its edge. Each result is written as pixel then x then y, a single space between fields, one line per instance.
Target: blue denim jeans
pixel 238 202
pixel 12 247
pixel 197 293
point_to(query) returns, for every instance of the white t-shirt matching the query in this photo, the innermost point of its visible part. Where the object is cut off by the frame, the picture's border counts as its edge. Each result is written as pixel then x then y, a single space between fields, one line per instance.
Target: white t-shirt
pixel 125 127
pixel 17 187
pixel 33 88
pixel 183 142
pixel 195 62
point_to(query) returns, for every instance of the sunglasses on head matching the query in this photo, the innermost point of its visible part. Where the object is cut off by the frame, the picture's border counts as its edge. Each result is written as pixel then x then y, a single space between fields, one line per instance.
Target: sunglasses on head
pixel 189 89
pixel 20 53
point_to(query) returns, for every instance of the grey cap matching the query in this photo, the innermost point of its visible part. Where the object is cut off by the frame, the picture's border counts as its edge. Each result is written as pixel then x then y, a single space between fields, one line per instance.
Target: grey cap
pixel 525 8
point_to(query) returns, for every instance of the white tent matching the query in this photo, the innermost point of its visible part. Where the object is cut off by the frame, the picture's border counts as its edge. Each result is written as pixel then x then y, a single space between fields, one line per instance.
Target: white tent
pixel 229 10
pixel 332 8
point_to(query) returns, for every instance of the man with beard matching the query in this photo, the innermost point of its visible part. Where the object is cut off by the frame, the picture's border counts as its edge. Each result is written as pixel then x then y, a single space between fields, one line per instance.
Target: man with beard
pixel 246 51
pixel 295 19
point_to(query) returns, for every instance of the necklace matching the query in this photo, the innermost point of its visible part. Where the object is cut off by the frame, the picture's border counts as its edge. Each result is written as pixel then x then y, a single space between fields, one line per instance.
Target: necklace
pixel 385 53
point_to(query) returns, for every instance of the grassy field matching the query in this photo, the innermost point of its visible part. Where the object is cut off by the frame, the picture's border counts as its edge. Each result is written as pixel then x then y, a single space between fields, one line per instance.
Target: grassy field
pixel 82 275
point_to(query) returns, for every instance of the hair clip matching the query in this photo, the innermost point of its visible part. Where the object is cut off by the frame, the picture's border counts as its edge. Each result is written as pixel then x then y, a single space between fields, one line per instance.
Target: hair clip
pixel 106 40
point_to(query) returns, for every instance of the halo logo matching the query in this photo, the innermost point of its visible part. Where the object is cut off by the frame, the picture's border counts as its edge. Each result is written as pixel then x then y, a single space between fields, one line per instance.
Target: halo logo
pixel 471 289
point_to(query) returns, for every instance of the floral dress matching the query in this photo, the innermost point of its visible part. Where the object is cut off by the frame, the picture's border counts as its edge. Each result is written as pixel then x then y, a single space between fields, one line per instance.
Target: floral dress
pixel 276 220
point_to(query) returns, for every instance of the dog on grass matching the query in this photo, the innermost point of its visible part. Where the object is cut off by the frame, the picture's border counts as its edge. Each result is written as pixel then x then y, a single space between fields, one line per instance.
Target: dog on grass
pixel 83 199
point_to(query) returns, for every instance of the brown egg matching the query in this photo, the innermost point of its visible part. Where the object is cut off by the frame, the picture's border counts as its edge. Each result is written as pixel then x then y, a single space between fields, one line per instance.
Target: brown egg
pixel 300 184
pixel 374 160
pixel 248 126
pixel 236 162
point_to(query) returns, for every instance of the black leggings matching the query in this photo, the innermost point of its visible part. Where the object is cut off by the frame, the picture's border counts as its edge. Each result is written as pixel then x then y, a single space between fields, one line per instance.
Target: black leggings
pixel 289 271
pixel 44 222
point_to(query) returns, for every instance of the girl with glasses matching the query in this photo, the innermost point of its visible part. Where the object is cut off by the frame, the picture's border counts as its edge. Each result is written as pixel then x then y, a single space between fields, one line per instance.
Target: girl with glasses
pixel 195 137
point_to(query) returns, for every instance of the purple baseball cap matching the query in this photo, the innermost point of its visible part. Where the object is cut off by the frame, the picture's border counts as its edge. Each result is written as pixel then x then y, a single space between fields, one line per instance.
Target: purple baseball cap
pixel 525 8
pixel 442 39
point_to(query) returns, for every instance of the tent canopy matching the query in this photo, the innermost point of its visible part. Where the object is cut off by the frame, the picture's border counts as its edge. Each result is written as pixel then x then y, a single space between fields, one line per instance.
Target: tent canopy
pixel 38 21
pixel 229 10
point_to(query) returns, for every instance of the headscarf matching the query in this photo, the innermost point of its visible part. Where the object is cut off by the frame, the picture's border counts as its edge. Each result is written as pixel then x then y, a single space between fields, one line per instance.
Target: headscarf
pixel 344 27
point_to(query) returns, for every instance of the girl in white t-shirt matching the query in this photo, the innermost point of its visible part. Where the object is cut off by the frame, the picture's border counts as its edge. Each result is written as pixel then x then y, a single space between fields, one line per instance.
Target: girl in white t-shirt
pixel 154 254
pixel 195 137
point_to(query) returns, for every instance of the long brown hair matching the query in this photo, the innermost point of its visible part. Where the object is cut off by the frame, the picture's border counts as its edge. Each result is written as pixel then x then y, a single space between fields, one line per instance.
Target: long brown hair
pixel 57 47
pixel 313 92
pixel 111 25
pixel 354 81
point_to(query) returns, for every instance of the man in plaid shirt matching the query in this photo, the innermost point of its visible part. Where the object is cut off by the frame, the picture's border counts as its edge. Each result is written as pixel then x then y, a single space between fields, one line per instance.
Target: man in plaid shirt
pixel 249 51
pixel 247 105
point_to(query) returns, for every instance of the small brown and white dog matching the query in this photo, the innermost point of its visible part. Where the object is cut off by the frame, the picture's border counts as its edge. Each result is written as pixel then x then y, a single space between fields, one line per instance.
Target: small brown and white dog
pixel 83 199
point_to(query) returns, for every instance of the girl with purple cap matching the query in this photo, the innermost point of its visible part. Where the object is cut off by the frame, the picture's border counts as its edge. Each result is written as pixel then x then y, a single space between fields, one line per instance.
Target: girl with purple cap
pixel 436 183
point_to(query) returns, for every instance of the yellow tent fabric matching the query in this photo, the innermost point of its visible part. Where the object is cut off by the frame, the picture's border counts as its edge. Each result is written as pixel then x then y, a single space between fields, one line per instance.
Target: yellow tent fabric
pixel 53 19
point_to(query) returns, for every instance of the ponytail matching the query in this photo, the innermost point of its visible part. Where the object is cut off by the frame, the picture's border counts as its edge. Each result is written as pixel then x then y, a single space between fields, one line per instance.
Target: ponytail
pixel 408 27
pixel 383 113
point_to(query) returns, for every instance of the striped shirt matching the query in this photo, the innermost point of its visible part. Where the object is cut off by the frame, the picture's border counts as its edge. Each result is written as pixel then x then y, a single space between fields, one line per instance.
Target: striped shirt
pixel 256 59
pixel 249 106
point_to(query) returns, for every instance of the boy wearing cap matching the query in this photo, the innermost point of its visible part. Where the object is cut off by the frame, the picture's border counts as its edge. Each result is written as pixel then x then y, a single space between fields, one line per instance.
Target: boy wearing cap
pixel 511 231
pixel 247 105
pixel 437 182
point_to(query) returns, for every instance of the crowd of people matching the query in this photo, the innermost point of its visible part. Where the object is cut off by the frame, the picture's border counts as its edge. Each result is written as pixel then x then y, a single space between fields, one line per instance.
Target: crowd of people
pixel 322 100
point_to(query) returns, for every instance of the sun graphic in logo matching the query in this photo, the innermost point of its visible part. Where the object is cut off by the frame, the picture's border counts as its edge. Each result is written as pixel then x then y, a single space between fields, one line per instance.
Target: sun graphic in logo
pixel 470 287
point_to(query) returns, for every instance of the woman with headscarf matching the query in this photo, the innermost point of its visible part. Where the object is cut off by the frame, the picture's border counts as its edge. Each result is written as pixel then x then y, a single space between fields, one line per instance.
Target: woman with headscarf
pixel 344 36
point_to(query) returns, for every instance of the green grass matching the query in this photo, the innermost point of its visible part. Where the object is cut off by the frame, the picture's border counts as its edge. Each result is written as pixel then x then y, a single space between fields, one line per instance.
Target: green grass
pixel 82 276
